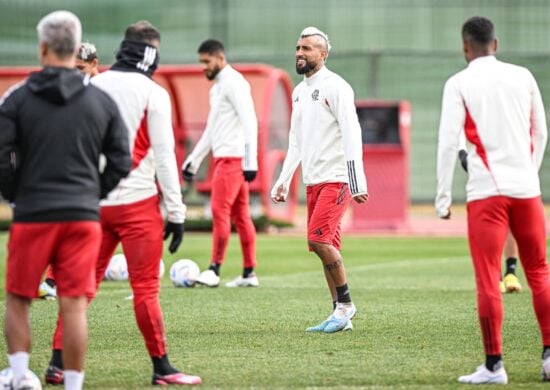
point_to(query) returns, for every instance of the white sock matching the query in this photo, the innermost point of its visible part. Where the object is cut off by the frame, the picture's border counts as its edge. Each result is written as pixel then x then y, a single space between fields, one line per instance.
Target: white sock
pixel 74 380
pixel 19 363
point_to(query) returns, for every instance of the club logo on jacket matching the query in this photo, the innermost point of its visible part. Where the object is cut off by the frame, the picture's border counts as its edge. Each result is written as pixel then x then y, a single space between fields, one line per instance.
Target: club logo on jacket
pixel 315 95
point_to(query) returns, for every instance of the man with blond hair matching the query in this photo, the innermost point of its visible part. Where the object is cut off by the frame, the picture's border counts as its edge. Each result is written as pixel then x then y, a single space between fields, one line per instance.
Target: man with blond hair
pixel 325 137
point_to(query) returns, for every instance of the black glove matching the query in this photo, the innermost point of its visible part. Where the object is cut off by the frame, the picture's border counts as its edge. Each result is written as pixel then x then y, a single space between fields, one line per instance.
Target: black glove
pixel 463 157
pixel 187 176
pixel 249 175
pixel 176 230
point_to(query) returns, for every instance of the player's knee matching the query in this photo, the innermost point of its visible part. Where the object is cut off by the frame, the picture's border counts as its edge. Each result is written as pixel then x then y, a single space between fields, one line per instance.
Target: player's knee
pixel 317 247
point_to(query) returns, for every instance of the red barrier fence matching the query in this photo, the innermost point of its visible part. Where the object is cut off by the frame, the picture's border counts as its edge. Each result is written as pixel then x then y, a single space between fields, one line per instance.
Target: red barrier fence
pixel 189 90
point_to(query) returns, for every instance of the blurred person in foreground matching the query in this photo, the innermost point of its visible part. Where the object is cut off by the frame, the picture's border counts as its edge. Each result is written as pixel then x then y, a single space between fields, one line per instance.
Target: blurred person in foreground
pixel 87 63
pixel 53 128
pixel 499 108
pixel 131 212
pixel 325 137
pixel 231 134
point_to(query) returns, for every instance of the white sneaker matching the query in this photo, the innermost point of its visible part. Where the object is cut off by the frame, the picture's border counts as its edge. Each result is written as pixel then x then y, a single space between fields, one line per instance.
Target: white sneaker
pixel 45 291
pixel 208 278
pixel 545 372
pixel 483 376
pixel 239 281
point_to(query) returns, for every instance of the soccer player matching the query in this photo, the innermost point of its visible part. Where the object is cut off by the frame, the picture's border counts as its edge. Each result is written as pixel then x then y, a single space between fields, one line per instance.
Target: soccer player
pixel 499 108
pixel 510 282
pixel 131 212
pixel 53 128
pixel 87 60
pixel 232 134
pixel 325 137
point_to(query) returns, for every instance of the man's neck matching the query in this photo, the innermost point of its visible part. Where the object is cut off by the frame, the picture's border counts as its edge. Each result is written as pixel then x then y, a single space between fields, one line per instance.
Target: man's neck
pixel 314 70
pixel 56 62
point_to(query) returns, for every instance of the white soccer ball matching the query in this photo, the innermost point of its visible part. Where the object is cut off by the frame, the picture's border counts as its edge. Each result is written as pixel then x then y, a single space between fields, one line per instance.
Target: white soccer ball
pixel 161 269
pixel 117 269
pixel 30 380
pixel 184 273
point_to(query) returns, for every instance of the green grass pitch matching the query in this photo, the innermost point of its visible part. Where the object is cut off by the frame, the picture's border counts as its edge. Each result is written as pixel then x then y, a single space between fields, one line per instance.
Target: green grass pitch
pixel 416 326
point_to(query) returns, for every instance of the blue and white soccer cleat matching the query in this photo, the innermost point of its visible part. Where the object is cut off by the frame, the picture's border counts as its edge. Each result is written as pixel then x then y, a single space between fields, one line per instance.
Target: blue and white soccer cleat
pixel 321 327
pixel 318 328
pixel 339 319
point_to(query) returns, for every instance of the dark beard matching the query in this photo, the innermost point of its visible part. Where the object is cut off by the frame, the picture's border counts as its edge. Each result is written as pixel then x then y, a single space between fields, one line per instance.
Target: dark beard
pixel 305 69
pixel 211 76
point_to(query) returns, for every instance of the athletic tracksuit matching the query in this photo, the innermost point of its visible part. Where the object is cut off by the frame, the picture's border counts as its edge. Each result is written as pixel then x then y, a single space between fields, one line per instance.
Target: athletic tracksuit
pixel 131 214
pixel 325 137
pixel 53 128
pixel 499 108
pixel 231 134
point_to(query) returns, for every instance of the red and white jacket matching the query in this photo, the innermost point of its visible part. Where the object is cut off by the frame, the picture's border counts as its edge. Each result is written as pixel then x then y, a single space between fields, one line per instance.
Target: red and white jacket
pixel 146 110
pixel 499 108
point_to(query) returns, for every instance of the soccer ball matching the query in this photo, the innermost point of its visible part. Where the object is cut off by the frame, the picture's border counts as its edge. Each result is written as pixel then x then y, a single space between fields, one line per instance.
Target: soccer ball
pixel 117 268
pixel 161 269
pixel 184 273
pixel 30 380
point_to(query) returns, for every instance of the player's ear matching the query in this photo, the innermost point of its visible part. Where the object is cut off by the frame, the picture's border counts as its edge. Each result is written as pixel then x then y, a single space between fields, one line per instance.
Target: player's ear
pixel 495 45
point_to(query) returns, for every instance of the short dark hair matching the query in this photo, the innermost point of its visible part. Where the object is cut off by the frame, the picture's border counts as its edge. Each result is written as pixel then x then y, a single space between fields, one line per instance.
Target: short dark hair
pixel 142 31
pixel 211 46
pixel 479 29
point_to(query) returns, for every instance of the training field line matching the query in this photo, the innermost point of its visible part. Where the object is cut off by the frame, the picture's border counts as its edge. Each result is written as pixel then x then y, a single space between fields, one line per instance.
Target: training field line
pixel 351 270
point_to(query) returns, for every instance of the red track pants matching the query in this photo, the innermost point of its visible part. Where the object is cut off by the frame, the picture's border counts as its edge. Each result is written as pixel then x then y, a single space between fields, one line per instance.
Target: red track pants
pixel 488 222
pixel 139 227
pixel 230 204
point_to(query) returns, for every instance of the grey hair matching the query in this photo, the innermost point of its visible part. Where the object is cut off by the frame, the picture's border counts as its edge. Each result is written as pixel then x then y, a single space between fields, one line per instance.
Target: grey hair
pixel 61 31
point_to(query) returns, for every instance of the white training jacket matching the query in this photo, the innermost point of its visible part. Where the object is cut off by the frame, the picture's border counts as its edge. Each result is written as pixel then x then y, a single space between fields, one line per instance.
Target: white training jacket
pixel 146 110
pixel 499 108
pixel 231 128
pixel 325 135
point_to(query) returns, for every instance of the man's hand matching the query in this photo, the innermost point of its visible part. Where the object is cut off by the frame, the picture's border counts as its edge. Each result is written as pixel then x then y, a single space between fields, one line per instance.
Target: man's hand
pixel 463 157
pixel 186 174
pixel 279 197
pixel 249 175
pixel 361 198
pixel 176 230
